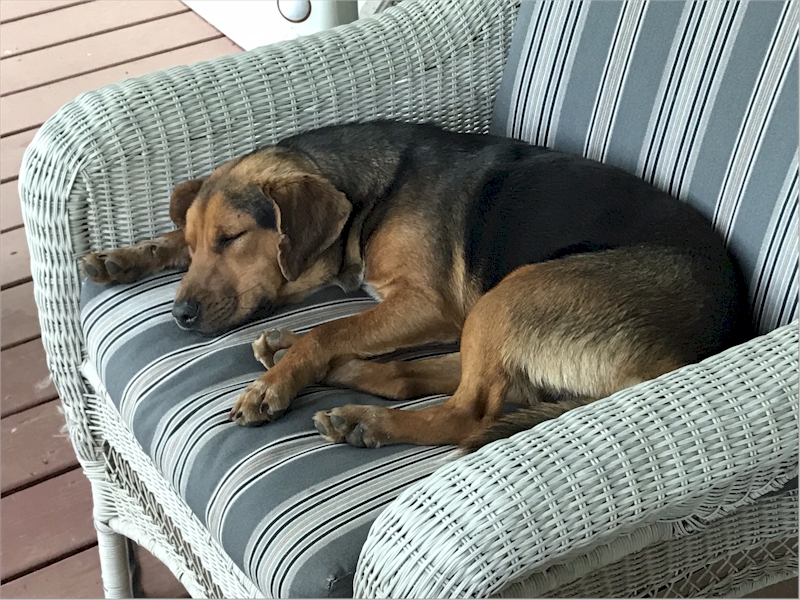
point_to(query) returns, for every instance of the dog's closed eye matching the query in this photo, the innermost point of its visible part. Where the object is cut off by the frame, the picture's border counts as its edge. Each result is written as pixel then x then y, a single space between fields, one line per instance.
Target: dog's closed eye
pixel 224 240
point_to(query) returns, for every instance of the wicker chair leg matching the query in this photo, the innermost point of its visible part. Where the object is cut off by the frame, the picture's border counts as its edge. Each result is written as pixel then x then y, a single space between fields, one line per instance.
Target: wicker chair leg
pixel 115 562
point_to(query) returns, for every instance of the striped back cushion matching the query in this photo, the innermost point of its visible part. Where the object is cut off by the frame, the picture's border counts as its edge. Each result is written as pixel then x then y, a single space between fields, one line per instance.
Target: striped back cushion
pixel 699 98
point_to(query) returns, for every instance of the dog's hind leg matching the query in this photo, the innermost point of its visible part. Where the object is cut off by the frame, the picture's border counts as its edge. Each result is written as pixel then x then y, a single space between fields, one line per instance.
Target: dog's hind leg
pixel 399 379
pixel 570 330
pixel 477 401
pixel 396 379
pixel 131 263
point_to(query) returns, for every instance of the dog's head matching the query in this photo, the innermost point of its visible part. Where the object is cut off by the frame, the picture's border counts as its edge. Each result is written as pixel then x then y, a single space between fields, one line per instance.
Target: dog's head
pixel 257 229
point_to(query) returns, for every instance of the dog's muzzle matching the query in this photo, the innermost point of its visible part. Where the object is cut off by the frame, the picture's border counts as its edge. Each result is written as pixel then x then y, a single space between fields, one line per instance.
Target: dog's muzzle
pixel 186 314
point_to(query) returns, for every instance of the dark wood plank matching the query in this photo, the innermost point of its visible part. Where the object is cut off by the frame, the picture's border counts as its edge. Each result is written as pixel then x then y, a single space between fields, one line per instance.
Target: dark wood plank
pixel 79 577
pixel 79 21
pixel 19 317
pixel 34 447
pixel 105 50
pixel 26 110
pixel 25 378
pixel 156 579
pixel 15 258
pixel 75 577
pixel 12 148
pixel 10 208
pixel 12 10
pixel 45 523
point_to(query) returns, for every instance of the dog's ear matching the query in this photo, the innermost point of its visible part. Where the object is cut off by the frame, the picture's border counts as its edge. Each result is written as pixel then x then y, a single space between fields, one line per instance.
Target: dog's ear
pixel 311 214
pixel 182 198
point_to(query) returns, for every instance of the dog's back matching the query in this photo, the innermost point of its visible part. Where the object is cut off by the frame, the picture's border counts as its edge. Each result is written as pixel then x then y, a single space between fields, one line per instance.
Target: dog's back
pixel 512 204
pixel 551 205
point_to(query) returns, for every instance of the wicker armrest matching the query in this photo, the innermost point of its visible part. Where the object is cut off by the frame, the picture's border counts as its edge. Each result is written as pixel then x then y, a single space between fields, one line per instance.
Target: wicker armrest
pixel 99 173
pixel 663 458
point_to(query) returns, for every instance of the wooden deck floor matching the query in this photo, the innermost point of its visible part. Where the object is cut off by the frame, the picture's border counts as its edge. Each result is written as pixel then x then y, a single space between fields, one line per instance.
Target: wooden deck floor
pixel 51 51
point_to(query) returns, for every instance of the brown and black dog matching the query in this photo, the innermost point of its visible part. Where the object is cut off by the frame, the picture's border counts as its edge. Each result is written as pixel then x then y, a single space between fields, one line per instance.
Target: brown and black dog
pixel 565 280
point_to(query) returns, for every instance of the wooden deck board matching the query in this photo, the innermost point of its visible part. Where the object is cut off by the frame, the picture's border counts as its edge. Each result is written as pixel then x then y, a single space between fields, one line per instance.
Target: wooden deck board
pixel 79 577
pixel 75 577
pixel 59 49
pixel 12 147
pixel 19 315
pixel 26 110
pixel 46 523
pixel 105 50
pixel 34 448
pixel 26 379
pixel 48 29
pixel 15 258
pixel 12 10
pixel 10 209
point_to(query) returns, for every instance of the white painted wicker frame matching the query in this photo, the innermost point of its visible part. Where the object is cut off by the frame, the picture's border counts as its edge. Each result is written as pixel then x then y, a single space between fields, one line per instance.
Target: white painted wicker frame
pixel 127 145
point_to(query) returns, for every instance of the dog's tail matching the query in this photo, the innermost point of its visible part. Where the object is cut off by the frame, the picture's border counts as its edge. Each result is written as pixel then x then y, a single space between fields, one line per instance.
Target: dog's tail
pixel 521 420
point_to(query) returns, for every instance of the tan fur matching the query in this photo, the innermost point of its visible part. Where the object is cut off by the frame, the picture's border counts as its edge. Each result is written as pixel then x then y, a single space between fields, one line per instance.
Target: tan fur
pixel 463 292
pixel 214 279
pixel 539 345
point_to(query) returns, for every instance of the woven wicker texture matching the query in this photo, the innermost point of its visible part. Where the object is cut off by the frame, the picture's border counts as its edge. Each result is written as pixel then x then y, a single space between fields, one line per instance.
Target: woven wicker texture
pixel 684 449
pixel 759 541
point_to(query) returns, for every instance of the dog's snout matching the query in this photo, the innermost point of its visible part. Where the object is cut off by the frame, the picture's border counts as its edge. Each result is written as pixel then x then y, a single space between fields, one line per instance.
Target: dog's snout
pixel 186 313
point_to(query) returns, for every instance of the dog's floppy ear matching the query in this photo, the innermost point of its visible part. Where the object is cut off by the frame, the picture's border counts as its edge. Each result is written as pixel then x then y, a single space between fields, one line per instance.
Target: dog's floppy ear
pixel 182 198
pixel 311 214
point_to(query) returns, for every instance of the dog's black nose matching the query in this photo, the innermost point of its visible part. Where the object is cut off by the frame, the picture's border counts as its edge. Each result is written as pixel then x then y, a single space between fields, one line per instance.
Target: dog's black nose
pixel 186 313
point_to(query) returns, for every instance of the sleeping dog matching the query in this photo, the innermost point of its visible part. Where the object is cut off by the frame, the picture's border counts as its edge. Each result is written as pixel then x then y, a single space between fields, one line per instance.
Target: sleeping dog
pixel 565 280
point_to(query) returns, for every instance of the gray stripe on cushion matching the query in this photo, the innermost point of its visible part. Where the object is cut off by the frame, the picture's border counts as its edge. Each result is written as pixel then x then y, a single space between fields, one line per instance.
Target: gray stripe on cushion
pixel 548 94
pixel 615 73
pixel 587 70
pixel 643 76
pixel 767 173
pixel 546 24
pixel 327 510
pixel 774 291
pixel 688 88
pixel 757 117
pixel 735 89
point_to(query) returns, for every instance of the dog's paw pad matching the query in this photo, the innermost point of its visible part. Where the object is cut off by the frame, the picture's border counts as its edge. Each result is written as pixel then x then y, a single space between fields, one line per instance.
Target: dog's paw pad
pixel 359 426
pixel 254 406
pixel 94 267
pixel 272 345
pixel 326 429
pixel 123 265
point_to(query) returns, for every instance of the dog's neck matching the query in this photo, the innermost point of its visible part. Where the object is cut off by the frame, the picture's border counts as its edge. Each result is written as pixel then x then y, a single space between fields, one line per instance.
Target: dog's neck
pixel 366 174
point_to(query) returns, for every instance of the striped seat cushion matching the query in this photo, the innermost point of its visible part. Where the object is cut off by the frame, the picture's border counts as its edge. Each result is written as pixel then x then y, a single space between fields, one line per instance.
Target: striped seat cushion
pixel 699 98
pixel 290 509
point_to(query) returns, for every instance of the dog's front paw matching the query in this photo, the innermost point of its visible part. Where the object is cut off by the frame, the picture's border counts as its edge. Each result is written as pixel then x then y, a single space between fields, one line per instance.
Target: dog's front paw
pixel 124 265
pixel 272 345
pixel 259 403
pixel 361 426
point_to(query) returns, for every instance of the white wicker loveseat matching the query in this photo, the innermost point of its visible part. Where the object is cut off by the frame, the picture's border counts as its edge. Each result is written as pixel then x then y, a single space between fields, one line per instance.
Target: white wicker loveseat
pixel 677 487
